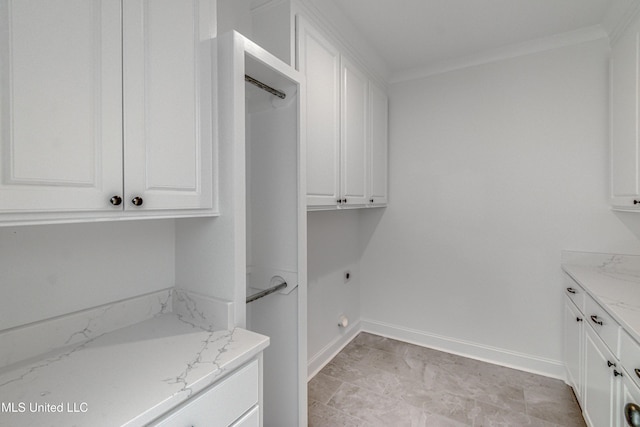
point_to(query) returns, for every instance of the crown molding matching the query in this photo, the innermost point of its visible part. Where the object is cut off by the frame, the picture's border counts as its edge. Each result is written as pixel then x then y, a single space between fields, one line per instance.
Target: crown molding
pixel 379 72
pixel 583 35
pixel 619 14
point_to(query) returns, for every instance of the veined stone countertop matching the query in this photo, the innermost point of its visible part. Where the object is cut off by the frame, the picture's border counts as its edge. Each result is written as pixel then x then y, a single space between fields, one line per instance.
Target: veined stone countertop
pixel 127 377
pixel 613 281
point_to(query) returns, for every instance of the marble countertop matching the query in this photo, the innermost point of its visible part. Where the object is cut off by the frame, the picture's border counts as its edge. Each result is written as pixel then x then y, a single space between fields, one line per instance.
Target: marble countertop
pixel 614 282
pixel 127 377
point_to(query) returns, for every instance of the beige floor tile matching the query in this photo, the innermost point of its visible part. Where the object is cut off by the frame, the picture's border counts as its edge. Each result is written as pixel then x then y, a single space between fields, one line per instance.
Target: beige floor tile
pixel 377 381
pixel 322 387
pixel 325 416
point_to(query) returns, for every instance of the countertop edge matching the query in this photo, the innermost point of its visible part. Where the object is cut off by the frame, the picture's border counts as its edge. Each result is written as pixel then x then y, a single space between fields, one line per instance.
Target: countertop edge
pixel 574 272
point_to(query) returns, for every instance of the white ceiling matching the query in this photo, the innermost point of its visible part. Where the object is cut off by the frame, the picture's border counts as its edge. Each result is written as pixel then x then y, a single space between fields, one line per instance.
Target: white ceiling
pixel 411 34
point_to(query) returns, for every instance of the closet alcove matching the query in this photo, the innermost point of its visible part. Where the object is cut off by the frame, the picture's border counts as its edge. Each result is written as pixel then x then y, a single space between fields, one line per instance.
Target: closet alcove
pixel 260 113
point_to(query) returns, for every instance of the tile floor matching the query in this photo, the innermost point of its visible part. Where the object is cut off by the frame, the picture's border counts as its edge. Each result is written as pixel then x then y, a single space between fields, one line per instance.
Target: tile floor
pixel 377 381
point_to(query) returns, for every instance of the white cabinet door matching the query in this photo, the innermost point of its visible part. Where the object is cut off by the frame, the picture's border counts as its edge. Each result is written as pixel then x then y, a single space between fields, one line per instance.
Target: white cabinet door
pixel 600 382
pixel 378 145
pixel 629 394
pixel 319 61
pixel 573 345
pixel 60 105
pixel 167 103
pixel 354 132
pixel 625 187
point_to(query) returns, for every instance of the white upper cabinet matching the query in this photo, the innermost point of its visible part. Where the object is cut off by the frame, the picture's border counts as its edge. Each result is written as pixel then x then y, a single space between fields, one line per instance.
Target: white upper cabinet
pixel 353 136
pixel 319 61
pixel 60 105
pixel 625 153
pixel 346 126
pixel 378 145
pixel 167 103
pixel 103 102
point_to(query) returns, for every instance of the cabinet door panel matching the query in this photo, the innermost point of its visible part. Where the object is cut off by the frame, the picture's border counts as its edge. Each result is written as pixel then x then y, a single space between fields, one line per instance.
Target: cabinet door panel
pixel 599 383
pixel 319 61
pixel 378 144
pixel 60 105
pixel 354 134
pixel 624 119
pixel 168 113
pixel 629 393
pixel 573 344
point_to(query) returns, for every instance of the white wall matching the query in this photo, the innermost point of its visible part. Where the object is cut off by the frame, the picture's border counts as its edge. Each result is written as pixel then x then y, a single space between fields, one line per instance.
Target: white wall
pixel 47 271
pixel 494 170
pixel 333 248
pixel 234 15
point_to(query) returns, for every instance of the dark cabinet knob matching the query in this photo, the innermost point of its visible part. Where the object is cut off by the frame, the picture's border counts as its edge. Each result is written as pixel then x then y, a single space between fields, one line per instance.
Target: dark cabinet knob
pixel 339 201
pixel 616 373
pixel 596 320
pixel 137 201
pixel 344 200
pixel 571 290
pixel 578 319
pixel 632 414
pixel 116 200
pixel 610 364
pixel 635 202
pixel 371 201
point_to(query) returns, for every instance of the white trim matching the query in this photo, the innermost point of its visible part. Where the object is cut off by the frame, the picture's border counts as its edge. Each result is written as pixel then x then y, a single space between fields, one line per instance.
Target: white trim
pixel 583 35
pixel 499 356
pixel 619 15
pixel 324 356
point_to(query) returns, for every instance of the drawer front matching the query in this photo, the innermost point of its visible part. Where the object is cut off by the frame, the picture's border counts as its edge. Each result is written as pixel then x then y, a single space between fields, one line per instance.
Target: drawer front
pixel 604 325
pixel 252 419
pixel 630 357
pixel 220 405
pixel 574 292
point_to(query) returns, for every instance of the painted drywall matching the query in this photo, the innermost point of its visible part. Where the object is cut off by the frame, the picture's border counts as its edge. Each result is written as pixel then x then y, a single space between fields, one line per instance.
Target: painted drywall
pixel 47 271
pixel 494 170
pixel 234 15
pixel 333 249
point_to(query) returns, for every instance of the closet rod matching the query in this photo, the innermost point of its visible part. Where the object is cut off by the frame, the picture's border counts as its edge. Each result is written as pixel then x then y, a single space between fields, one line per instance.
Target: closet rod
pixel 263 86
pixel 266 292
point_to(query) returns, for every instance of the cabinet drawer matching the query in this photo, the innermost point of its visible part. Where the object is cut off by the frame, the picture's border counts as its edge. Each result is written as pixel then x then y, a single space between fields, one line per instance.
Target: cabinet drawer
pixel 574 292
pixel 252 419
pixel 604 325
pixel 220 405
pixel 630 356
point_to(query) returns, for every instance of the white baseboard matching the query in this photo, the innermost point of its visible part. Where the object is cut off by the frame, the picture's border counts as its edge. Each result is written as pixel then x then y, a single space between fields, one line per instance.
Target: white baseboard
pixel 329 351
pixel 499 356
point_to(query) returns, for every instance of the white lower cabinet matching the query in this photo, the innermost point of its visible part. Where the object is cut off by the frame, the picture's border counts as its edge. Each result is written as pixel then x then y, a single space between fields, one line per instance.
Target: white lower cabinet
pixel 251 419
pixel 234 401
pixel 601 382
pixel 573 345
pixel 601 361
pixel 629 404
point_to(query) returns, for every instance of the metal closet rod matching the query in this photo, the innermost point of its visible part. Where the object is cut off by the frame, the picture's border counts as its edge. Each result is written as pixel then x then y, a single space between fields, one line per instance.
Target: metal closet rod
pixel 263 86
pixel 266 292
